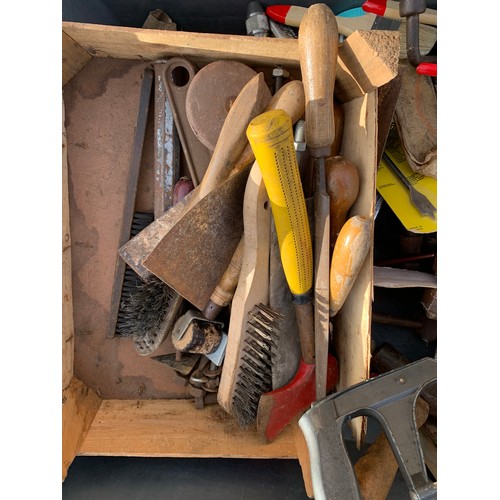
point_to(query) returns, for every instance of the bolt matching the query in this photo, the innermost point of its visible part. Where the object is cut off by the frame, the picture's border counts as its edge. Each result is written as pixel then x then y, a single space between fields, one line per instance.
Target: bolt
pixel 279 75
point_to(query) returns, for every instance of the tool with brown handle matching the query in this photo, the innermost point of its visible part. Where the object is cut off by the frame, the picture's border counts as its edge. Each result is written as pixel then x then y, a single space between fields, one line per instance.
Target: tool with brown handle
pixel 342 184
pixel 318 49
pixel 352 247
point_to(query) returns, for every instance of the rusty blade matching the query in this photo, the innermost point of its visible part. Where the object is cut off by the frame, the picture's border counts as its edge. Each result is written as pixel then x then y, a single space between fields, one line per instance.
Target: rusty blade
pixel 192 257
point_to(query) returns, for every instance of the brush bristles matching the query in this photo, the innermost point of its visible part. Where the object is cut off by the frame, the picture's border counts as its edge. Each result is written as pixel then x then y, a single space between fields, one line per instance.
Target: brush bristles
pixel 255 373
pixel 143 308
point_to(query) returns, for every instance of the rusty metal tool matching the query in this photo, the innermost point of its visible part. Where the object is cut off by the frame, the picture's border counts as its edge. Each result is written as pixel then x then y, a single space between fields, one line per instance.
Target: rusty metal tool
pixel 411 10
pixel 318 50
pixel 128 212
pixel 167 147
pixel 178 74
pixel 390 399
pixel 251 101
pixel 419 200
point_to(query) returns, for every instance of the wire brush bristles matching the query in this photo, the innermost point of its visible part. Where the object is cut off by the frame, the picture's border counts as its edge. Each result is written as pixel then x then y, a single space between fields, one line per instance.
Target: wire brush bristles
pixel 255 373
pixel 149 313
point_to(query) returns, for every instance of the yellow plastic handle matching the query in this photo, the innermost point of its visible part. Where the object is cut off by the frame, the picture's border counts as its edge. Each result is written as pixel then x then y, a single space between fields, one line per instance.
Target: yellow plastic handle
pixel 271 138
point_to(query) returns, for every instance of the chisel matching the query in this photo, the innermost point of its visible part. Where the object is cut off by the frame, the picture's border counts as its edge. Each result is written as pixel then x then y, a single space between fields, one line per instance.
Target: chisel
pixel 318 50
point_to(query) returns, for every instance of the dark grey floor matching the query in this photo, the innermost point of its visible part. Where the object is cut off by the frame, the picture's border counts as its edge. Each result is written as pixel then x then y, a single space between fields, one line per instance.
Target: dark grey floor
pixel 120 478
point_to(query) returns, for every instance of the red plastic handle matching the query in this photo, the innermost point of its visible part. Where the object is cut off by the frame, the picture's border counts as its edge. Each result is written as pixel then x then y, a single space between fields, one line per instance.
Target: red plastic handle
pixel 375 6
pixel 429 69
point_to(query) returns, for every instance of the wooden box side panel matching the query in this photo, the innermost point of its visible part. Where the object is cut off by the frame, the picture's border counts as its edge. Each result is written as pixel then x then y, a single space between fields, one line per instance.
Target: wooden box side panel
pixel 352 326
pixel 175 428
pixel 74 58
pixel 80 405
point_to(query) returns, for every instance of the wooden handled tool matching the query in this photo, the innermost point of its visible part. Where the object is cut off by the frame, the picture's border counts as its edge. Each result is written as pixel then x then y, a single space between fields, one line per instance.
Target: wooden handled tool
pixel 271 137
pixel 289 98
pixel 352 246
pixel 342 184
pixel 318 50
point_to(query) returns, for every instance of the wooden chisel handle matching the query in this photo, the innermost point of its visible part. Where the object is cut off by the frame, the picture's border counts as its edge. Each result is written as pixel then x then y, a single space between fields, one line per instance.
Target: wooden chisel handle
pixel 251 101
pixel 318 49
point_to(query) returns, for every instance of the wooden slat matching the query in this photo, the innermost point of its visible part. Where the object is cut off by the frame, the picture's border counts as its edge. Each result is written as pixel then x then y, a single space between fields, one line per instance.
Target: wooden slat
pixel 366 59
pixel 175 428
pixel 67 293
pixel 352 324
pixel 74 58
pixel 80 405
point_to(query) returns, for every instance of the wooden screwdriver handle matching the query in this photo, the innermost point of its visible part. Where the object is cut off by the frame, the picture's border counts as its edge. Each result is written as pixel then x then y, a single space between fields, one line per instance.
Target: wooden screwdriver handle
pixel 251 101
pixel 353 243
pixel 318 41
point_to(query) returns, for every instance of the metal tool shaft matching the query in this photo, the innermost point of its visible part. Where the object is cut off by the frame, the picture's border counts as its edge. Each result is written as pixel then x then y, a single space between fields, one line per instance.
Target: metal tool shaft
pixel 421 202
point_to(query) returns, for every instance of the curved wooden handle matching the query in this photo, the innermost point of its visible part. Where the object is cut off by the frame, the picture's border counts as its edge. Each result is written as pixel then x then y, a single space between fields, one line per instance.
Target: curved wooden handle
pixel 318 48
pixel 289 98
pixel 353 243
pixel 342 185
pixel 251 101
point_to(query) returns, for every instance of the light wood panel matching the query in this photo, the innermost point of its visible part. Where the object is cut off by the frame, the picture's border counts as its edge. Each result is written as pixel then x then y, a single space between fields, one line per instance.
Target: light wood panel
pixel 74 58
pixel 366 59
pixel 79 406
pixel 352 325
pixel 175 428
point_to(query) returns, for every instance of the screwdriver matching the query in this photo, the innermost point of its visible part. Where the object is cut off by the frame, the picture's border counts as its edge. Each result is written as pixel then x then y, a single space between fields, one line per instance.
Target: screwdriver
pixel 419 200
pixel 318 49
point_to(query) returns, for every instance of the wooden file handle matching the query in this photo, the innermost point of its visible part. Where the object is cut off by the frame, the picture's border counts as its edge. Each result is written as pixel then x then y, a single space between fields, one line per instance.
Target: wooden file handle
pixel 318 41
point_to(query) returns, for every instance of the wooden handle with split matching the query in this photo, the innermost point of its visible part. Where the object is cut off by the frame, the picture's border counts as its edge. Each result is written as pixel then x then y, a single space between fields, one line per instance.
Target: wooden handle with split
pixel 352 246
pixel 318 41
